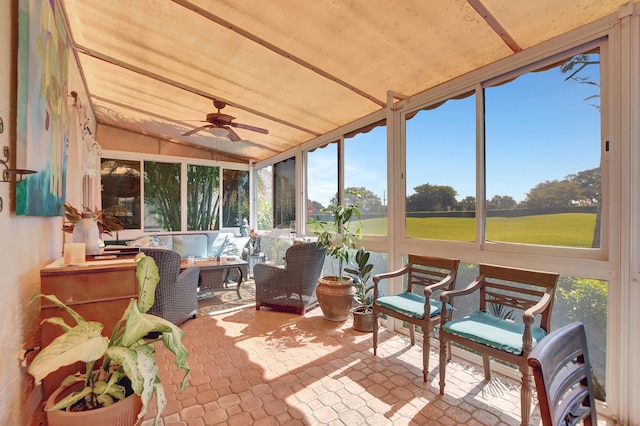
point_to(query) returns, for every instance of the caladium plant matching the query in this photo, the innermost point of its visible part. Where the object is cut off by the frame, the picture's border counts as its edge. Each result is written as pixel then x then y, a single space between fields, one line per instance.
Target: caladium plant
pixel 126 358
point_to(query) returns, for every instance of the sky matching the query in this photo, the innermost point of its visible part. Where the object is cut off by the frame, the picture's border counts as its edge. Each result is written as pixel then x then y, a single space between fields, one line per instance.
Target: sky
pixel 539 127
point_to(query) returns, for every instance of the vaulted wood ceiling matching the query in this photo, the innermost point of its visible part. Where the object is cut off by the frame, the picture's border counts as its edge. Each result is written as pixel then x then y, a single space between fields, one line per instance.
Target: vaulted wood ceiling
pixel 299 68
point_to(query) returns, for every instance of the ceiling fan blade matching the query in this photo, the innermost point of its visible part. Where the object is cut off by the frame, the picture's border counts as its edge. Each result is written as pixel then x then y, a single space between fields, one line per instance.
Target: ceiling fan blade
pixel 252 128
pixel 196 130
pixel 233 135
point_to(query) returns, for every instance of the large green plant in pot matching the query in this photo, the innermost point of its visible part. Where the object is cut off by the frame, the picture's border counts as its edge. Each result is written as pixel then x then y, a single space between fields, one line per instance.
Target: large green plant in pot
pixel 126 359
pixel 338 238
pixel 363 310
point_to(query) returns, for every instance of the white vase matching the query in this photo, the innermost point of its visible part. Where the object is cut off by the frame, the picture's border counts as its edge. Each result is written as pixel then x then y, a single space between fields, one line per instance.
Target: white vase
pixel 86 231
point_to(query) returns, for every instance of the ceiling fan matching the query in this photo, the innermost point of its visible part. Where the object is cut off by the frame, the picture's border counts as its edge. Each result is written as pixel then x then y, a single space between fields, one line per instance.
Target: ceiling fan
pixel 221 124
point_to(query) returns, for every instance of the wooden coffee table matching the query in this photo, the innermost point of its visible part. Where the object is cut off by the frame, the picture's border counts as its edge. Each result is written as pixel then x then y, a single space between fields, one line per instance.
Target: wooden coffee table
pixel 214 274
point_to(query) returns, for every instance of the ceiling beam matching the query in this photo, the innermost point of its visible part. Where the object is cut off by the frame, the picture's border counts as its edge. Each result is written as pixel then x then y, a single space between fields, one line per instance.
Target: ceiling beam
pixel 133 68
pixel 275 49
pixel 495 25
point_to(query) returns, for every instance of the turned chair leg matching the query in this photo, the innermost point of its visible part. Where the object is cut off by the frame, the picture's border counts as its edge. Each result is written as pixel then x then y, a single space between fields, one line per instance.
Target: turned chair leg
pixel 375 333
pixel 443 363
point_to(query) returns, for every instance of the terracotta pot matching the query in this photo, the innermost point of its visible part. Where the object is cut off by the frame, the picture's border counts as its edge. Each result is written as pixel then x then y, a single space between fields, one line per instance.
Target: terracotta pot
pixel 362 319
pixel 122 413
pixel 335 297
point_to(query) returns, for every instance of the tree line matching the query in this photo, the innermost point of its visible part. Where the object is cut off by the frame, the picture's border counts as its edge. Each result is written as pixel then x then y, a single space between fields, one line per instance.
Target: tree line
pixel 579 189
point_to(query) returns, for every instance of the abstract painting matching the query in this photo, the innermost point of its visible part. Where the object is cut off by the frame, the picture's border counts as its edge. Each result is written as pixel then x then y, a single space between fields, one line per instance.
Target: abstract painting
pixel 42 140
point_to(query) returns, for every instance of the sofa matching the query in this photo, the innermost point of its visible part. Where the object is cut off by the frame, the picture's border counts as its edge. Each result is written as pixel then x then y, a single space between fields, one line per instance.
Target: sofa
pixel 204 244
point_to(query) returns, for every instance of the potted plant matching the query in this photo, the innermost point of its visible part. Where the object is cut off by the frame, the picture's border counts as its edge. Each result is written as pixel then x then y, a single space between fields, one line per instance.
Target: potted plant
pixel 338 237
pixel 126 369
pixel 106 219
pixel 363 311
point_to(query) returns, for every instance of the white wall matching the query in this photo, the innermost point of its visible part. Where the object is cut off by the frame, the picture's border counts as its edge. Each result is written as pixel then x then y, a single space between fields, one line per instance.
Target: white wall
pixel 26 245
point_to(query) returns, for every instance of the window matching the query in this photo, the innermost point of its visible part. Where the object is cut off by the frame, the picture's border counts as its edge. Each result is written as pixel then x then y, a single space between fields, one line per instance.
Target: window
pixel 322 180
pixel 203 197
pixel 441 171
pixel 235 207
pixel 543 155
pixel 121 187
pixel 161 196
pixel 284 194
pixel 365 171
pixel 264 201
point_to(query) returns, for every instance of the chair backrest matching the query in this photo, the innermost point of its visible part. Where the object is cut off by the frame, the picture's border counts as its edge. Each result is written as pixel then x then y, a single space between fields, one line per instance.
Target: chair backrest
pixel 427 270
pixel 562 373
pixel 517 289
pixel 168 262
pixel 305 261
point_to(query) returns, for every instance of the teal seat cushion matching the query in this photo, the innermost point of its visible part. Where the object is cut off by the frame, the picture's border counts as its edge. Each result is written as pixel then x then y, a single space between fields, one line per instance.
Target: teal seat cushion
pixel 409 304
pixel 495 332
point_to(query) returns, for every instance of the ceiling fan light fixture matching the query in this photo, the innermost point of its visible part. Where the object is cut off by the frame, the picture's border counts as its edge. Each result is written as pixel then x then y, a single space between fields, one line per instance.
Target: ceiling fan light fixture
pixel 219 132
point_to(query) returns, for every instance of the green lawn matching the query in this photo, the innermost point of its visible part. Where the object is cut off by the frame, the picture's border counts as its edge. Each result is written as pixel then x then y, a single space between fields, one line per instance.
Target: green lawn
pixel 560 229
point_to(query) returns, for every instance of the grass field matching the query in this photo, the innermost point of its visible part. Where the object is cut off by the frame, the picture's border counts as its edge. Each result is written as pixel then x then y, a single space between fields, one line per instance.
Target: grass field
pixel 560 229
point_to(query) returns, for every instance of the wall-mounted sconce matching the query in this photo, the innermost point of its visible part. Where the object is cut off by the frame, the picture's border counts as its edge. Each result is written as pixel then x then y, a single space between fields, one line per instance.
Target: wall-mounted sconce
pixel 10 175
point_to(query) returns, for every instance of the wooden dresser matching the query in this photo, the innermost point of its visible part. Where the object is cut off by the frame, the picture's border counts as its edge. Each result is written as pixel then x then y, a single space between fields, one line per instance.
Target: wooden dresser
pixel 98 291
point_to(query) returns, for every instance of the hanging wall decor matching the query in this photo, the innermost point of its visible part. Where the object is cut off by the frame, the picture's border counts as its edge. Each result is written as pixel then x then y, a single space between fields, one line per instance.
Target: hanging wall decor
pixel 42 141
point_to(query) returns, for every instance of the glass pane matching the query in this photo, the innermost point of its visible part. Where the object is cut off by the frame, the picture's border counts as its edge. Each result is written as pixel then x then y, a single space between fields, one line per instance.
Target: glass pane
pixel 161 196
pixel 264 179
pixel 365 171
pixel 235 205
pixel 284 193
pixel 585 300
pixel 441 171
pixel 120 180
pixel 543 156
pixel 203 197
pixel 322 181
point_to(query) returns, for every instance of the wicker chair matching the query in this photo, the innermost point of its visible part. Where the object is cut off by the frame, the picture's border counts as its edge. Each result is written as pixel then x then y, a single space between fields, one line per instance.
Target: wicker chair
pixel 292 288
pixel 176 297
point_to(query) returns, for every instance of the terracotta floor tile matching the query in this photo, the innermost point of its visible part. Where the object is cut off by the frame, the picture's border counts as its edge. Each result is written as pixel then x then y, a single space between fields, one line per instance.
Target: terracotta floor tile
pixel 272 368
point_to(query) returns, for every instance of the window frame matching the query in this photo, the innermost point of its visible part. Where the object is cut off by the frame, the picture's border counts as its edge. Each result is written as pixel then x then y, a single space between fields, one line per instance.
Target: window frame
pixel 183 161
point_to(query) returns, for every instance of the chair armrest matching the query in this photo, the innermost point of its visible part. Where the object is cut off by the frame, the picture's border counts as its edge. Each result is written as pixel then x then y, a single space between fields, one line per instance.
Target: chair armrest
pixel 475 285
pixel 446 297
pixel 429 289
pixel 392 274
pixel 529 315
pixel 189 275
pixel 263 272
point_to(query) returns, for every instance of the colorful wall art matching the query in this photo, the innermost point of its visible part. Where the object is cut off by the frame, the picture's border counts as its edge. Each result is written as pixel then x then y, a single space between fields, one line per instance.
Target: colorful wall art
pixel 42 140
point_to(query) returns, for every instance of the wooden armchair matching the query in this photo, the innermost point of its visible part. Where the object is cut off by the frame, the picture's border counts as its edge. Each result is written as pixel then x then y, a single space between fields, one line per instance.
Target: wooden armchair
pixel 428 274
pixel 504 291
pixel 562 373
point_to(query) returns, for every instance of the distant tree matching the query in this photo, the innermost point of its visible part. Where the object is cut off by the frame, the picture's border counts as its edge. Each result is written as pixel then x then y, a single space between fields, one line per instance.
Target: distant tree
pixel 313 208
pixel 501 202
pixel 369 202
pixel 429 197
pixel 553 194
pixel 590 184
pixel 467 204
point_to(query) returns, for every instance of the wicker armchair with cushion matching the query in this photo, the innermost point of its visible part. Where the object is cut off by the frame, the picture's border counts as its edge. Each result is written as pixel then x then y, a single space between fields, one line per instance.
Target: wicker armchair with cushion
pixel 177 291
pixel 292 287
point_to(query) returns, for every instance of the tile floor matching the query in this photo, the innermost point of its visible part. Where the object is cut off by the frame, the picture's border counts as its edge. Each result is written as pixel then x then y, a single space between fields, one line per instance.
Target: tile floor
pixel 273 368
pixel 260 368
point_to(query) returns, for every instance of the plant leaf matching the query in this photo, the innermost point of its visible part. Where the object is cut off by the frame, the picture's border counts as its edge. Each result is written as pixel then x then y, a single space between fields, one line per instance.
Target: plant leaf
pixel 83 343
pixel 148 278
pixel 53 299
pixel 71 399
